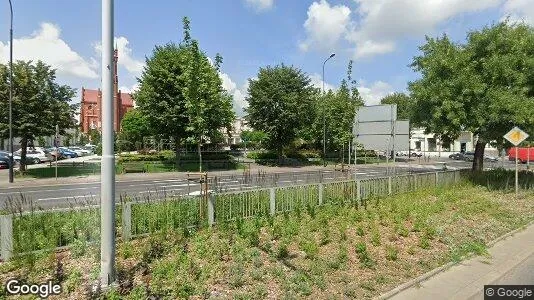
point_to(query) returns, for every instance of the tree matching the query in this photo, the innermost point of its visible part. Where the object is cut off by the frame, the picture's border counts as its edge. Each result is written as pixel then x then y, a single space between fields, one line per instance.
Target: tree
pixel 403 102
pixel 39 103
pixel 484 86
pixel 254 138
pixel 181 94
pixel 134 127
pixel 280 104
pixel 338 109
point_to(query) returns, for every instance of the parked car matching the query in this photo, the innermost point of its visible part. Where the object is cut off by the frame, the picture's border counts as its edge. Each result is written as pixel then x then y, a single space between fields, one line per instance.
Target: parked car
pixel 415 153
pixel 469 156
pixel 36 155
pixel 80 151
pixel 457 156
pixel 4 160
pixel 67 153
pixel 490 158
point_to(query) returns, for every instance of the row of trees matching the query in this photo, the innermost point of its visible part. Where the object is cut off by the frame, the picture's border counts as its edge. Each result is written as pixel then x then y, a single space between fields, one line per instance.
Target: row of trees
pixel 485 85
pixel 291 112
pixel 39 103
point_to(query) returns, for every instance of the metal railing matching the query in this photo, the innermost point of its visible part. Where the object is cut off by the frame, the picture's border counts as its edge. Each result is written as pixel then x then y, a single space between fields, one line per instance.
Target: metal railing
pixel 27 232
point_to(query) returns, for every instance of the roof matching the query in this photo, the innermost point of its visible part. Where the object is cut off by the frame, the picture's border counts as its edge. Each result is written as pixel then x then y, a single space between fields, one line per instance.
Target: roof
pixel 90 96
pixel 126 99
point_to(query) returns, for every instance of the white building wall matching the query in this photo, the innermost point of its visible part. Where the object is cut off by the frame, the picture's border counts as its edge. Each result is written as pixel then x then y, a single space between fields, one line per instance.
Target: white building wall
pixel 429 145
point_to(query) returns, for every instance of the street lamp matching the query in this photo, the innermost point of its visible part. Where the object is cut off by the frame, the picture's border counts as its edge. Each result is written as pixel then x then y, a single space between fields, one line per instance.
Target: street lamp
pixel 324 118
pixel 11 95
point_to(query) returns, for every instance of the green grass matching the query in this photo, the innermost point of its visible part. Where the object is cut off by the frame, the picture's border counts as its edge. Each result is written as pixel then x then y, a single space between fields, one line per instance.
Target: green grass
pixel 150 167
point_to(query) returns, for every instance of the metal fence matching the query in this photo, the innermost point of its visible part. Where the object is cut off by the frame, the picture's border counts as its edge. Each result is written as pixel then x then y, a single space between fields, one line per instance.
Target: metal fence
pixel 27 232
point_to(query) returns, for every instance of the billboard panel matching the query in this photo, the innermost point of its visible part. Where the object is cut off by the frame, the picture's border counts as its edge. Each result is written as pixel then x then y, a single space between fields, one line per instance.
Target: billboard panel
pixel 384 142
pixel 377 113
pixel 381 128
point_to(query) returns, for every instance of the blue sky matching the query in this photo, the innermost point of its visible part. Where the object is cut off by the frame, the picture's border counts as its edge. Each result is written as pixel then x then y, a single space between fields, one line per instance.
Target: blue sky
pixel 381 36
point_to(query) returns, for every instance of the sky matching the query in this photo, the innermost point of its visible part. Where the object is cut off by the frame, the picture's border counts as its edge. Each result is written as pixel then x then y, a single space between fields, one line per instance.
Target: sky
pixel 380 36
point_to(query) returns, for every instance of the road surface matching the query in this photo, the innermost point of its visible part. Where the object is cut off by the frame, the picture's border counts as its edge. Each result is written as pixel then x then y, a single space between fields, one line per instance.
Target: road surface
pixel 61 195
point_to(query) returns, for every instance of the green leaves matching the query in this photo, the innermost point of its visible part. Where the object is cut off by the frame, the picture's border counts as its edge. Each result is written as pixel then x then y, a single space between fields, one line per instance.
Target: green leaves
pixel 39 102
pixel 281 102
pixel 484 86
pixel 181 94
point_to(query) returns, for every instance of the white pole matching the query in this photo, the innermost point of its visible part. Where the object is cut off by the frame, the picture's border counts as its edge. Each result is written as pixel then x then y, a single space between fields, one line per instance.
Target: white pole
pixel 56 142
pixel 107 181
pixel 516 172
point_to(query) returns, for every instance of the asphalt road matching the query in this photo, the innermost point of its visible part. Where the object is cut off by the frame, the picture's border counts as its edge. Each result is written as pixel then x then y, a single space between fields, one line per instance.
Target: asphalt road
pixel 76 194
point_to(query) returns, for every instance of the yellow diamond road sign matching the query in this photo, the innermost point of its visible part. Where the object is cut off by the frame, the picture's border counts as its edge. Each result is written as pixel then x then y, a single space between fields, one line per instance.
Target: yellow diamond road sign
pixel 516 136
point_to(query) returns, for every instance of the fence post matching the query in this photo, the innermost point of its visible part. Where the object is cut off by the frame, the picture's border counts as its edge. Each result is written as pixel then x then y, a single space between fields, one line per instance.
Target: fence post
pixel 127 221
pixel 211 209
pixel 358 189
pixel 321 188
pixel 389 185
pixel 437 178
pixel 414 182
pixel 6 232
pixel 272 201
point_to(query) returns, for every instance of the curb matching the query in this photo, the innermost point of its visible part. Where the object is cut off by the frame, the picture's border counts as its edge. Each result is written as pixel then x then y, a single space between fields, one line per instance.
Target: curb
pixel 445 267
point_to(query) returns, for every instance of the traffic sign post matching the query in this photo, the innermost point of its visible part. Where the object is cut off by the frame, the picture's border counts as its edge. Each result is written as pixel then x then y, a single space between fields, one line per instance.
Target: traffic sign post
pixel 56 144
pixel 516 136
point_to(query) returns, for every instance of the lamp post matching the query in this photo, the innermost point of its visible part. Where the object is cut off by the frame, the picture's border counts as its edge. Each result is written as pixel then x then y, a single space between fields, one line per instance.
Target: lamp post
pixel 324 117
pixel 11 95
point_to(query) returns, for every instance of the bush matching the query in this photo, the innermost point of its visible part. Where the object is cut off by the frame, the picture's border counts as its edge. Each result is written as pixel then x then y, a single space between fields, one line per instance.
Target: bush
pixel 262 155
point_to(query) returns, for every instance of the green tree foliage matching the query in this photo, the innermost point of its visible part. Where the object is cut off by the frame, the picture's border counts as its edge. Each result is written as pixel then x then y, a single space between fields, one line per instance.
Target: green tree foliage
pixel 403 102
pixel 337 109
pixel 134 127
pixel 485 86
pixel 253 138
pixel 39 103
pixel 281 103
pixel 181 93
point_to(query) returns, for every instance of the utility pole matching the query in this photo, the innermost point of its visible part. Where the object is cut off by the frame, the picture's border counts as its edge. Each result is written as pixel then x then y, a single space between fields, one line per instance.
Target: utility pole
pixel 11 161
pixel 324 117
pixel 107 179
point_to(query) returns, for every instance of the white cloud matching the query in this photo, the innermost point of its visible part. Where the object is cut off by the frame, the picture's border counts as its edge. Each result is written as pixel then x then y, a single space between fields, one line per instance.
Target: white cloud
pixel 519 10
pixel 260 5
pixel 238 94
pixel 375 92
pixel 382 22
pixel 131 89
pixel 376 25
pixel 317 82
pixel 126 60
pixel 46 44
pixel 325 25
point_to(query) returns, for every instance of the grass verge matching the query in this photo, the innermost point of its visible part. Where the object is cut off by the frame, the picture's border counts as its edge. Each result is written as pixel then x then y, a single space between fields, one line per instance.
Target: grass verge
pixel 322 253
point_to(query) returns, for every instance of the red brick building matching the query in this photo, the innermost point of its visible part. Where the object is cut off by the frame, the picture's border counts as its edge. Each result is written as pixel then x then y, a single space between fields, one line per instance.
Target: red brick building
pixel 91 105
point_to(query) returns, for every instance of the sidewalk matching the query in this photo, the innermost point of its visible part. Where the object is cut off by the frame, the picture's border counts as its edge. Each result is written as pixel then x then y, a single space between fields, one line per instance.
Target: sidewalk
pixel 467 279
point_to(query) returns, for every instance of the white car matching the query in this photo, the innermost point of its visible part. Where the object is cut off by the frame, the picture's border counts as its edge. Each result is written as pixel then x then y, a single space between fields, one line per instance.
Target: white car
pixel 37 155
pixel 79 151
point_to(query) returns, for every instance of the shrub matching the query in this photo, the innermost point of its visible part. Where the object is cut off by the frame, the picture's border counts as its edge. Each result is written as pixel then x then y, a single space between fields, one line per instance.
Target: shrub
pixel 391 253
pixel 363 255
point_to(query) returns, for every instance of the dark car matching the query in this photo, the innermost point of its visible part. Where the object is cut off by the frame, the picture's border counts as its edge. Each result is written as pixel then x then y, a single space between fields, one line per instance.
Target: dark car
pixel 457 156
pixel 67 153
pixel 4 160
pixel 469 156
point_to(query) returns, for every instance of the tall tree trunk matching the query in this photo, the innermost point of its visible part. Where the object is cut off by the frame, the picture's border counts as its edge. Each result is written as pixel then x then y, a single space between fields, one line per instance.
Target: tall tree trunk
pixel 200 154
pixel 478 160
pixel 24 147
